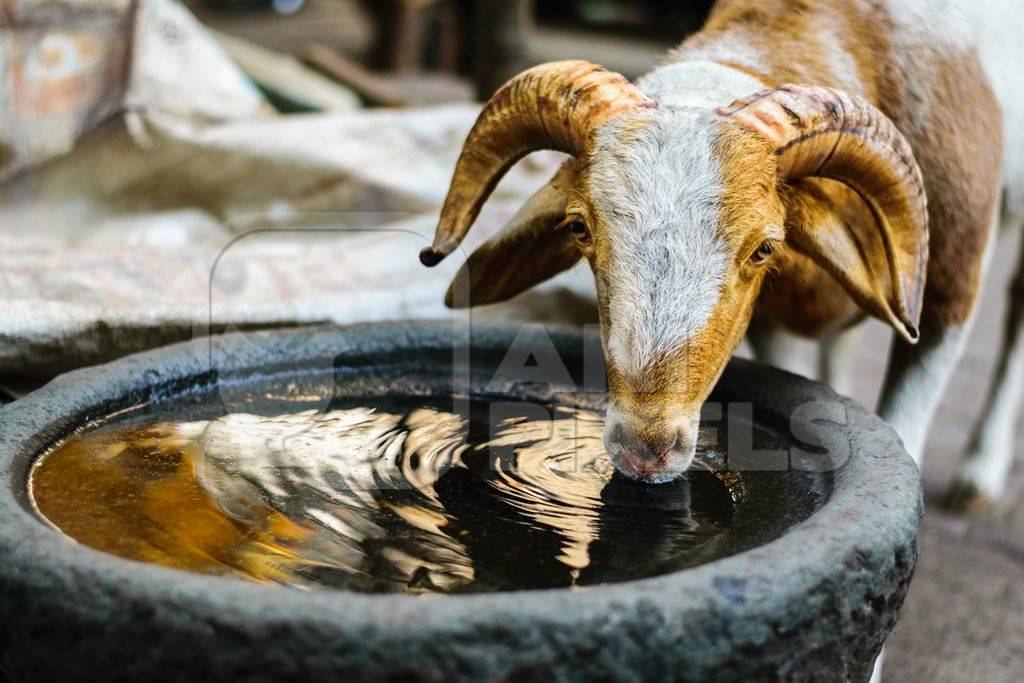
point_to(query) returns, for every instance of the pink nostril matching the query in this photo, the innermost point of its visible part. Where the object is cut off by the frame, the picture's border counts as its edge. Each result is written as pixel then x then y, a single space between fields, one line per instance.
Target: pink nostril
pixel 645 466
pixel 644 456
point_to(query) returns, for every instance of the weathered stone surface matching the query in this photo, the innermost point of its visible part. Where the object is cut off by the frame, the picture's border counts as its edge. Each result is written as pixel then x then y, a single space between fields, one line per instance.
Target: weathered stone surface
pixel 813 604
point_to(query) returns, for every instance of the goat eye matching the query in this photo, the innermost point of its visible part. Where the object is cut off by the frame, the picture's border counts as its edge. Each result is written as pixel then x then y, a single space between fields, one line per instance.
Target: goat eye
pixel 579 230
pixel 763 251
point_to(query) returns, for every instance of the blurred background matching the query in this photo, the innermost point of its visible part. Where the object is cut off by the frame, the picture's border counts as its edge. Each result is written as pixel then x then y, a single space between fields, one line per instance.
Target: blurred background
pixel 435 50
pixel 171 169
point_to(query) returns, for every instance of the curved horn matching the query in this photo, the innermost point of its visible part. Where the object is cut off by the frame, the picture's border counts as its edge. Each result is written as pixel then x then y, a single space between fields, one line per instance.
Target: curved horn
pixel 551 106
pixel 827 133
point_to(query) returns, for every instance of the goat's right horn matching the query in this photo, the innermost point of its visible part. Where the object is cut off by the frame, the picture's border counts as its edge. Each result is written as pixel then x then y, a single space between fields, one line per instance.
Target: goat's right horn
pixel 551 106
pixel 818 131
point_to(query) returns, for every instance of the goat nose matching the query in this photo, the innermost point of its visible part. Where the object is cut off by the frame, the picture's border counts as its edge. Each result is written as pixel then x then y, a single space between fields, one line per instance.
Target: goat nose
pixel 648 443
pixel 643 467
pixel 642 456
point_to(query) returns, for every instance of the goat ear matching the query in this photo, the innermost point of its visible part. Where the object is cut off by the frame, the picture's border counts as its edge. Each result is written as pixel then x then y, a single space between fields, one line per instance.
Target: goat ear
pixel 527 251
pixel 832 225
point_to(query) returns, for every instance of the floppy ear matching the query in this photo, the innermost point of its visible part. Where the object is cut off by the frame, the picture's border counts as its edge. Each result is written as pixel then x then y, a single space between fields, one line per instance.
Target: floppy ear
pixel 527 251
pixel 830 223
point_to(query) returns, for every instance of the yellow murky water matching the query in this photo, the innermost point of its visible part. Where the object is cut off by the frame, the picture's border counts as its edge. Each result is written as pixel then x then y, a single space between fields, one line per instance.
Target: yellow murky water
pixel 402 495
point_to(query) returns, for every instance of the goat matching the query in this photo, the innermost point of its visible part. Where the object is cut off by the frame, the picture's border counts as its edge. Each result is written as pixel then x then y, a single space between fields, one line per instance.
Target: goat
pixel 790 142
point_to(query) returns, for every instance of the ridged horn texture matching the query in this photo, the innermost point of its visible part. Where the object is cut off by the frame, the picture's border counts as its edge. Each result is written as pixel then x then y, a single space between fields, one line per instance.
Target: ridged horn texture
pixel 551 106
pixel 827 133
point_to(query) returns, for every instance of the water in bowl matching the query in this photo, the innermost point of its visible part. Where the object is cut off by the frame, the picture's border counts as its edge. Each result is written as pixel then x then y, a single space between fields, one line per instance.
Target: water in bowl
pixel 395 495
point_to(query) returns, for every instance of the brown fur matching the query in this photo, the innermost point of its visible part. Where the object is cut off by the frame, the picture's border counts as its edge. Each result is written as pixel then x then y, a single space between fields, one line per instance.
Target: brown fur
pixel 799 295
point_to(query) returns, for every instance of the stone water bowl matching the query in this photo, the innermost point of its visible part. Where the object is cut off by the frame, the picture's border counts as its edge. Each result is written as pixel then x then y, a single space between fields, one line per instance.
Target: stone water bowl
pixel 127 551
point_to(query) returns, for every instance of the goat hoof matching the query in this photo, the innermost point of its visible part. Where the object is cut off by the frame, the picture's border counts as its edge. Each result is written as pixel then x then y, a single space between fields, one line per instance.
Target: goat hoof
pixel 964 498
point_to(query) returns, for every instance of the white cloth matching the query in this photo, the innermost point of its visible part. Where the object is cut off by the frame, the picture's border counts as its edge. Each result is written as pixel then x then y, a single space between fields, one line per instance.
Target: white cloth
pixel 188 205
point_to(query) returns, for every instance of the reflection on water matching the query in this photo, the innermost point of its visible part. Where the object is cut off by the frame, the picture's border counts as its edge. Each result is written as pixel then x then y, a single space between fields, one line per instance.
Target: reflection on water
pixel 405 495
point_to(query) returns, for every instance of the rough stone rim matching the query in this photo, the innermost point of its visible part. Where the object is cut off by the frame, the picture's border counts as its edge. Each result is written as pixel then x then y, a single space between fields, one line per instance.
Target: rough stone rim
pixel 876 503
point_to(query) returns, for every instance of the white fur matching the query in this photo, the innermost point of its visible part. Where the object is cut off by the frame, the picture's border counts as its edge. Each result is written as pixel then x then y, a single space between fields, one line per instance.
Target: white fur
pixel 939 21
pixel 658 190
pixel 777 347
pixel 736 51
pixel 836 359
pixel 915 384
pixel 1002 57
pixel 990 451
pixel 840 60
pixel 659 196
pixel 917 376
pixel 991 27
pixel 876 671
pixel 697 83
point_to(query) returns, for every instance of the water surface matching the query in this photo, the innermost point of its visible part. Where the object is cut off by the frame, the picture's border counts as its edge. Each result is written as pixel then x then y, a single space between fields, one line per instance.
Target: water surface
pixel 398 495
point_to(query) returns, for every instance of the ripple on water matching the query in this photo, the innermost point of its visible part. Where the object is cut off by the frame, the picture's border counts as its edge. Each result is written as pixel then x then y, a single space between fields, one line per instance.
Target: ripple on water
pixel 403 495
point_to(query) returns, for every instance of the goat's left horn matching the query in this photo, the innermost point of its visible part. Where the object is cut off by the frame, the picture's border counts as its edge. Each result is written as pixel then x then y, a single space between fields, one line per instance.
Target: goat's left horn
pixel 822 132
pixel 551 106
